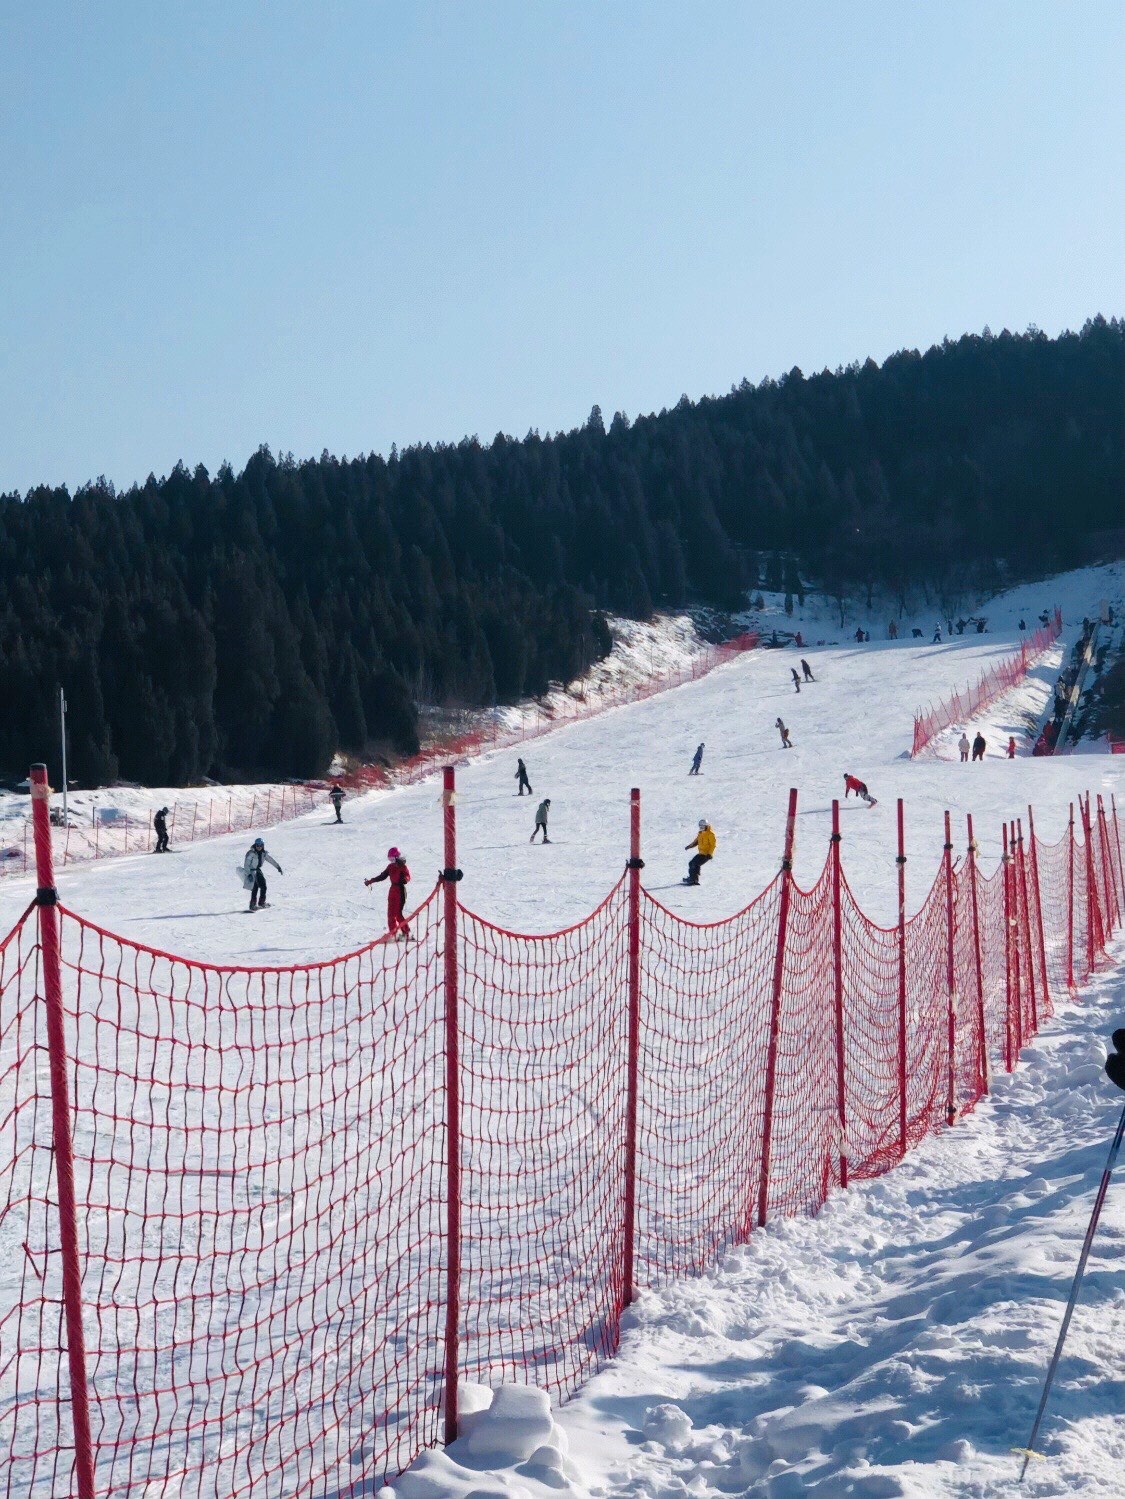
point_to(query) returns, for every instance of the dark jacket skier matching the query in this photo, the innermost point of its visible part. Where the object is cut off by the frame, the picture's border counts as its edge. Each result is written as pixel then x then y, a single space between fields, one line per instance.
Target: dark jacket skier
pixel 696 760
pixel 336 797
pixel 541 820
pixel 979 747
pixel 160 825
pixel 521 777
pixel 796 678
pixel 807 669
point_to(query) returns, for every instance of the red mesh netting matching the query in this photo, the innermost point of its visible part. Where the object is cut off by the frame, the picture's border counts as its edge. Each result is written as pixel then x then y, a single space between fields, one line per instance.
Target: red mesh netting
pixel 262 1177
pixel 543 1057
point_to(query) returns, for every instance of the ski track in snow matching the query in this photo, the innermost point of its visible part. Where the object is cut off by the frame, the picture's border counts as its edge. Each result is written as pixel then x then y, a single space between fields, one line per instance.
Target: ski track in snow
pixel 895 1344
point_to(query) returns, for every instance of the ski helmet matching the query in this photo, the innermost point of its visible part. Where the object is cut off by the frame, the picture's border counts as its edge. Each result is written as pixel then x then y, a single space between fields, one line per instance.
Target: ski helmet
pixel 259 843
pixel 702 823
pixel 393 853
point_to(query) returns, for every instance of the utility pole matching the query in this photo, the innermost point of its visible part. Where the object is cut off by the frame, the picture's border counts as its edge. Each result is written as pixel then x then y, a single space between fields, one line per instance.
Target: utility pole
pixel 62 732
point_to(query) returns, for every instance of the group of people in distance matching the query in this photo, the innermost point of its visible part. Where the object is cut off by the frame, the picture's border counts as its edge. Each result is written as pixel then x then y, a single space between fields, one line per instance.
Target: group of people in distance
pixel 980 745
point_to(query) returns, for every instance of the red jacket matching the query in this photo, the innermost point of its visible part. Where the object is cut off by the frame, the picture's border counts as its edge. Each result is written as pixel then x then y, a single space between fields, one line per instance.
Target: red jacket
pixel 397 872
pixel 852 783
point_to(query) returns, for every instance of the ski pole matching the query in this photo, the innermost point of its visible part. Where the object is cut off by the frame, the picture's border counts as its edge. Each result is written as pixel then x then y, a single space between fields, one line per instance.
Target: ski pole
pixel 1029 1450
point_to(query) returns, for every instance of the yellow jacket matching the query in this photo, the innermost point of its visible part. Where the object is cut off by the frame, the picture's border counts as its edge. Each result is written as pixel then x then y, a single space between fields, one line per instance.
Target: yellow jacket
pixel 704 840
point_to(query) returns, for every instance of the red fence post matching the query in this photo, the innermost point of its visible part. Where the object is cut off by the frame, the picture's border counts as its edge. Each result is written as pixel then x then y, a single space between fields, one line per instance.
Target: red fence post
pixel 1117 846
pixel 1007 953
pixel 971 856
pixel 1110 868
pixel 1029 946
pixel 838 987
pixel 1070 904
pixel 450 875
pixel 634 867
pixel 950 982
pixel 1093 913
pixel 775 1001
pixel 1038 906
pixel 901 862
pixel 1017 938
pixel 47 899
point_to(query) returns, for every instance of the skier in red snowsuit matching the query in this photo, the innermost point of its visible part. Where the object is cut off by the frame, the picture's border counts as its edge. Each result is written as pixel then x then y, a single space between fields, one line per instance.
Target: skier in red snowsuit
pixel 399 876
pixel 853 783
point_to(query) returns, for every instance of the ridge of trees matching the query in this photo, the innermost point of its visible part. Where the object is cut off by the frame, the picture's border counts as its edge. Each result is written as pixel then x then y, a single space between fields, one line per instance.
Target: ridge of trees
pixel 252 624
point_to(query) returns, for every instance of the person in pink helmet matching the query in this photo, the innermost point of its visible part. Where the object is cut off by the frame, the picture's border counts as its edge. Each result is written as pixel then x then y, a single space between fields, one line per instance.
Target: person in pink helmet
pixel 399 876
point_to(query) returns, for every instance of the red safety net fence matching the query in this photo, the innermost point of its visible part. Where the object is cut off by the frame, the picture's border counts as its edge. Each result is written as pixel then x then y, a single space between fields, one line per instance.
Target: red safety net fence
pixel 190 820
pixel 256 1224
pixel 990 685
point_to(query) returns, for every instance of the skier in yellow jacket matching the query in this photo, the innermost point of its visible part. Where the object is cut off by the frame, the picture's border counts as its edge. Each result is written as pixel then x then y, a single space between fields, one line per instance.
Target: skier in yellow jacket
pixel 704 845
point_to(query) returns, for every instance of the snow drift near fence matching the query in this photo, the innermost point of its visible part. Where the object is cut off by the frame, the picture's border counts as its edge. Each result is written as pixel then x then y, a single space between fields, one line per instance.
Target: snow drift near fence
pixel 309 1200
pixel 991 684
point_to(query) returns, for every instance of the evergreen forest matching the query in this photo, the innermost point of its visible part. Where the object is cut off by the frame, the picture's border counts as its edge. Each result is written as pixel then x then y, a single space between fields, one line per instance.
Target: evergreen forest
pixel 249 625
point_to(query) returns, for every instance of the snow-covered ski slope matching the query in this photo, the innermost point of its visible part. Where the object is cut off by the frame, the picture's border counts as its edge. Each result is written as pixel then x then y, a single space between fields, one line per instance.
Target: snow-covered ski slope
pixel 814 1355
pixel 855 717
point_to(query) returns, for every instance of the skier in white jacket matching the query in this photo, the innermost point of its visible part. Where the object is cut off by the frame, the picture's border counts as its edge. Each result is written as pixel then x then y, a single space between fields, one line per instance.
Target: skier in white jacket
pixel 252 876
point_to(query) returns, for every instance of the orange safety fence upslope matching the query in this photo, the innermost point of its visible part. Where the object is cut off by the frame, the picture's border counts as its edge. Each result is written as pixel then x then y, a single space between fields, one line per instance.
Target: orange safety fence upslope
pixel 987 689
pixel 266 1203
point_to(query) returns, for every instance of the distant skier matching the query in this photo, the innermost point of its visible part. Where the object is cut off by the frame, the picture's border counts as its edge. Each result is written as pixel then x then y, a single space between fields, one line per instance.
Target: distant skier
pixel 252 876
pixel 336 797
pixel 399 876
pixel 853 783
pixel 160 826
pixel 963 746
pixel 521 777
pixel 937 635
pixel 696 760
pixel 796 678
pixel 1023 624
pixel 784 732
pixel 541 820
pixel 1011 747
pixel 704 845
pixel 892 631
pixel 859 634
pixel 807 670
pixel 979 747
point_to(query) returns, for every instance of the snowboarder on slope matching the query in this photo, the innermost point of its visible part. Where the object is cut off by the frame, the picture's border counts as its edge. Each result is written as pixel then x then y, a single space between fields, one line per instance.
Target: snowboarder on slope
pixel 979 747
pixel 963 746
pixel 704 844
pixel 1011 747
pixel 937 635
pixel 807 670
pixel 336 797
pixel 853 783
pixel 784 732
pixel 521 777
pixel 252 876
pixel 796 678
pixel 160 826
pixel 541 820
pixel 399 876
pixel 696 760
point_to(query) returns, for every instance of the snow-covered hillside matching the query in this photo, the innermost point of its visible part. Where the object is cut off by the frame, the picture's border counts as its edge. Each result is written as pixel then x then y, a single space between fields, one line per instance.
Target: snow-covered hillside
pixel 892 1345
pixel 855 717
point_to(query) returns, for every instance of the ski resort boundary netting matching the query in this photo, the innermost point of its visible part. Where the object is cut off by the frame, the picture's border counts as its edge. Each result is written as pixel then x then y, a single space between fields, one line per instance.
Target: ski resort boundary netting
pixel 243 809
pixel 189 821
pixel 990 685
pixel 257 1223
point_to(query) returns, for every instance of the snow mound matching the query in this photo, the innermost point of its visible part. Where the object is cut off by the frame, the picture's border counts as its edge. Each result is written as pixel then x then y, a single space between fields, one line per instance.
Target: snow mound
pixel 509 1447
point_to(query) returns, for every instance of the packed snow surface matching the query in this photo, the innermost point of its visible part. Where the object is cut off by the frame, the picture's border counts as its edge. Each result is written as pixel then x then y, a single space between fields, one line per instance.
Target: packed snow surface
pixel 893 1345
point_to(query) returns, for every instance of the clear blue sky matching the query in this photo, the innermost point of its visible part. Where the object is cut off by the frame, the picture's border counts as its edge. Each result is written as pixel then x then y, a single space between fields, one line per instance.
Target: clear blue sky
pixel 342 225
